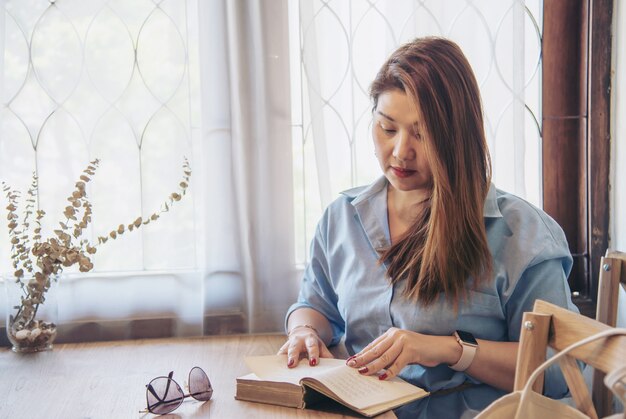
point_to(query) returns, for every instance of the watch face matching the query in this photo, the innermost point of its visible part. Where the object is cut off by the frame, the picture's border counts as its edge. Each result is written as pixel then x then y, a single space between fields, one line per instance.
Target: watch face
pixel 466 337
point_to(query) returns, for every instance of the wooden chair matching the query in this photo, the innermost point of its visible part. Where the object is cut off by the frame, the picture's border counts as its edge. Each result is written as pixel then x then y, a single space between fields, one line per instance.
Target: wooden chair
pixel 612 273
pixel 550 325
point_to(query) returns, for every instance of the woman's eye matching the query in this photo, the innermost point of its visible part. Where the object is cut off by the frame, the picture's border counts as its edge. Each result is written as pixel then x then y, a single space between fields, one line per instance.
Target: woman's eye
pixel 387 130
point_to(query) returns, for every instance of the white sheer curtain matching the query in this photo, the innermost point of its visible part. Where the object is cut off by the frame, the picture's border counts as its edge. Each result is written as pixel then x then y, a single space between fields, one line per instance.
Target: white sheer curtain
pixel 247 144
pixel 343 43
pixel 140 85
pixel 227 250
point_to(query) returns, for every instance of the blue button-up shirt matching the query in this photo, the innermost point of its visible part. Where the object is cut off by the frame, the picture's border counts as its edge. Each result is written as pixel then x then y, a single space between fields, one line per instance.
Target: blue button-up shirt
pixel 345 281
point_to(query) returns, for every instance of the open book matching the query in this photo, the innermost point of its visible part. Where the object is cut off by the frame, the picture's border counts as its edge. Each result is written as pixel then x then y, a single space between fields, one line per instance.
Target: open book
pixel 272 382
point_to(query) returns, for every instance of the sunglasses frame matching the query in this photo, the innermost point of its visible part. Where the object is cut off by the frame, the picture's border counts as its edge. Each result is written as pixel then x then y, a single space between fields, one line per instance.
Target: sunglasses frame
pixel 170 381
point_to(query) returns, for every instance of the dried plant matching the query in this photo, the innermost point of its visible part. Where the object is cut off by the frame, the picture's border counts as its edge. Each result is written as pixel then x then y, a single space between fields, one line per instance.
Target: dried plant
pixel 37 261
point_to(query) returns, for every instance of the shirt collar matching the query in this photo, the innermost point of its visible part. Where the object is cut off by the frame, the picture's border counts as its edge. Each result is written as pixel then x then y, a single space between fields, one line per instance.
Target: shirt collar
pixel 370 204
pixel 359 194
pixel 491 209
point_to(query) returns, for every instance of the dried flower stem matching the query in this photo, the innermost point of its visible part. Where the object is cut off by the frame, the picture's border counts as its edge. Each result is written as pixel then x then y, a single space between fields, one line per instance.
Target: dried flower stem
pixel 165 207
pixel 45 259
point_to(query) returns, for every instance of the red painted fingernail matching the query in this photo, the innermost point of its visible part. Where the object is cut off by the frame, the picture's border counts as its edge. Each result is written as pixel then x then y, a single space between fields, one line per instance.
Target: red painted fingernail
pixel 351 362
pixel 313 362
pixel 382 376
pixel 363 370
pixel 290 363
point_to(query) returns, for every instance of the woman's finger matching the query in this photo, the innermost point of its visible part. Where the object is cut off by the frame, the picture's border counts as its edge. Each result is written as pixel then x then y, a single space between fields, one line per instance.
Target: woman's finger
pixel 307 343
pixel 374 352
pixel 283 349
pixel 390 362
pixel 396 366
pixel 293 352
pixel 312 349
pixel 357 360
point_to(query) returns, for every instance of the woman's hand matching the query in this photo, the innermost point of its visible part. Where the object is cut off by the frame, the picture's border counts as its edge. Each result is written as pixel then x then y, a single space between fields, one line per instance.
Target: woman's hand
pixel 398 348
pixel 304 340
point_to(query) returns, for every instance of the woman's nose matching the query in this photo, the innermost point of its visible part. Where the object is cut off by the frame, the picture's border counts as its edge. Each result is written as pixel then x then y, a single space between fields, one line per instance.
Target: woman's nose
pixel 403 148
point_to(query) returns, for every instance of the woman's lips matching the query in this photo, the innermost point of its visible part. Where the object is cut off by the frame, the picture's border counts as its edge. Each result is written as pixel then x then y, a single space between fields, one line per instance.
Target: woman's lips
pixel 402 173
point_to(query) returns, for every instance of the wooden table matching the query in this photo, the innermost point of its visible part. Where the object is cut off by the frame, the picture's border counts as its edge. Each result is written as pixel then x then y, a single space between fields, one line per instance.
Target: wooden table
pixel 107 379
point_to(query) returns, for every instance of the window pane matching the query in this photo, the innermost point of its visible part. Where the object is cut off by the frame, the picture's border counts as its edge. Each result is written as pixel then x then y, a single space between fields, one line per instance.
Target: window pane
pixel 338 47
pixel 107 80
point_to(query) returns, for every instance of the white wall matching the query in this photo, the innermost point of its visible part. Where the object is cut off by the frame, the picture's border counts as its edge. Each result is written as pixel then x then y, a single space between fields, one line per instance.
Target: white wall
pixel 617 226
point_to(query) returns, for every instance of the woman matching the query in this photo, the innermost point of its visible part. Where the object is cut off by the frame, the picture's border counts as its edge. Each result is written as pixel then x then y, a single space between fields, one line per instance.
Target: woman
pixel 426 272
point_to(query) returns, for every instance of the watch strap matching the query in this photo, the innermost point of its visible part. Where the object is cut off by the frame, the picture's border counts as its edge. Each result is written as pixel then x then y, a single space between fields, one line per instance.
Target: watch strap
pixel 467 355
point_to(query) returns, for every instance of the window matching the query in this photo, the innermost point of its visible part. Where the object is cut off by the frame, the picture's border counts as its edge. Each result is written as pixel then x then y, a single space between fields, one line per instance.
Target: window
pixel 120 81
pixel 337 47
pixel 112 80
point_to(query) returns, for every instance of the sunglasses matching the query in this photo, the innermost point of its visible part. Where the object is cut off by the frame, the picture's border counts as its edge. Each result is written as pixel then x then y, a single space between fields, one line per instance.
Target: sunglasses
pixel 164 395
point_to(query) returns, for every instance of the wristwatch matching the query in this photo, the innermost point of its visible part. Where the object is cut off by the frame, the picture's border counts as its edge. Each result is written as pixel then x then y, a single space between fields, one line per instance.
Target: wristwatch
pixel 468 345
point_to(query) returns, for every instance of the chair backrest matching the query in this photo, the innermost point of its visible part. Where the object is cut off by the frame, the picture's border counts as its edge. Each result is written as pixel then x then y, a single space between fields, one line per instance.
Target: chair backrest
pixel 554 326
pixel 612 274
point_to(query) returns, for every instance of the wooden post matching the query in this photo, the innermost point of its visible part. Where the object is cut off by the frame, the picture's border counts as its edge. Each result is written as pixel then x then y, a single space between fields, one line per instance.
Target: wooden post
pixel 606 312
pixel 577 386
pixel 608 291
pixel 532 349
pixel 564 134
pixel 599 135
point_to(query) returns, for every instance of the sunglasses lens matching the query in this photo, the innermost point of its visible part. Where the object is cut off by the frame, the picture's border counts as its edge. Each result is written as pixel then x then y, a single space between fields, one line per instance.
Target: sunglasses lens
pixel 164 395
pixel 199 385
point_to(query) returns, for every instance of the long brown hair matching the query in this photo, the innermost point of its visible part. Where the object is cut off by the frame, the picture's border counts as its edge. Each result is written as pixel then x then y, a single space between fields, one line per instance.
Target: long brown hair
pixel 447 244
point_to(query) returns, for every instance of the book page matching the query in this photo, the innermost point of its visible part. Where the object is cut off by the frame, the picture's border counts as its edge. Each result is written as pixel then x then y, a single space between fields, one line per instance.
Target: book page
pixel 359 391
pixel 274 368
pixel 362 391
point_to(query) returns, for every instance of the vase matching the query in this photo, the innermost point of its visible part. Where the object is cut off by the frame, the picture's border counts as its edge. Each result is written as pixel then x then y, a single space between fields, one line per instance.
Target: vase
pixel 32 312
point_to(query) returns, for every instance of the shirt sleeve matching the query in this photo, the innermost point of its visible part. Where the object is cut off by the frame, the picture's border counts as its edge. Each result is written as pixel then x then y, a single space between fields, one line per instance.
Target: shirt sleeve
pixel 316 289
pixel 546 280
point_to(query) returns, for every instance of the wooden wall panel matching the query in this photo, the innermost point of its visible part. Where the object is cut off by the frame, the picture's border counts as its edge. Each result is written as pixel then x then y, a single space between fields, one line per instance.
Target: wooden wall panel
pixel 576 132
pixel 599 135
pixel 564 107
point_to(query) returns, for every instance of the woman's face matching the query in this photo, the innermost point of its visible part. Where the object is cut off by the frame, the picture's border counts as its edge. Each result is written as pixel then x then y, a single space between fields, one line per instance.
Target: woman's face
pixel 400 143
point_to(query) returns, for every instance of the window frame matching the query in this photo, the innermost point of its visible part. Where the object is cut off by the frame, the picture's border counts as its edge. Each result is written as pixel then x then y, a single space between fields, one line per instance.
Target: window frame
pixel 576 134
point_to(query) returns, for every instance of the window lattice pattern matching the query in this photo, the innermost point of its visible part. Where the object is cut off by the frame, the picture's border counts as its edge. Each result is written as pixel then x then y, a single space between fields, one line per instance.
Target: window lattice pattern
pixel 108 80
pixel 342 45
